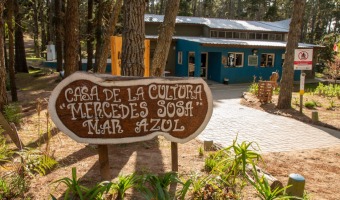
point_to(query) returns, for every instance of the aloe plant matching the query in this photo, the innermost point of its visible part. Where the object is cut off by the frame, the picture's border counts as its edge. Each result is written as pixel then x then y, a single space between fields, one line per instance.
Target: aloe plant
pixel 264 190
pixel 156 186
pixel 123 184
pixel 74 189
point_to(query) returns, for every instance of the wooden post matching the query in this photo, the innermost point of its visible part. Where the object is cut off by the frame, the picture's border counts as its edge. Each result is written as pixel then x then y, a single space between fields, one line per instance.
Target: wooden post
pixel 302 88
pixel 301 102
pixel 174 156
pixel 315 116
pixel 297 183
pixel 208 145
pixel 104 162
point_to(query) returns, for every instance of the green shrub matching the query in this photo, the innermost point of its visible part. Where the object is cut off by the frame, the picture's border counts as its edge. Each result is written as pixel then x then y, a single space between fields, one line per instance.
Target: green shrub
pixel 253 88
pixel 35 161
pixel 310 104
pixel 77 191
pixel 12 113
pixel 5 152
pixel 13 186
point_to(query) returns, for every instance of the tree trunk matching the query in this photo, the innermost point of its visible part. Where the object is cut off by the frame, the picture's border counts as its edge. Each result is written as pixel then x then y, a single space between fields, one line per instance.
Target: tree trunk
pixel 72 39
pixel 20 55
pixel 10 13
pixel 133 38
pixel 105 49
pixel 286 84
pixel 51 13
pixel 43 19
pixel 89 39
pixel 166 32
pixel 161 7
pixel 99 32
pixel 37 44
pixel 3 95
pixel 59 34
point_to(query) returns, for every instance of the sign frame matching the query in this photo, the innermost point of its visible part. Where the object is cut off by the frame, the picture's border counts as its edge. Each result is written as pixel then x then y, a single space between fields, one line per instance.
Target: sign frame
pixel 118 81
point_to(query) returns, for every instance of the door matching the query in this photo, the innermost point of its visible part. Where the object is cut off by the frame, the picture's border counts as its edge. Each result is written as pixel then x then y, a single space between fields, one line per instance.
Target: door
pixel 191 64
pixel 204 65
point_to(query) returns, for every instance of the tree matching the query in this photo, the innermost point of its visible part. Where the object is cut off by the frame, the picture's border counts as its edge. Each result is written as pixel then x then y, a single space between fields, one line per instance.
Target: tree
pixel 59 34
pixel 37 43
pixel 10 15
pixel 286 88
pixel 133 38
pixel 166 31
pixel 99 31
pixel 20 55
pixel 89 32
pixel 72 39
pixel 3 95
pixel 110 29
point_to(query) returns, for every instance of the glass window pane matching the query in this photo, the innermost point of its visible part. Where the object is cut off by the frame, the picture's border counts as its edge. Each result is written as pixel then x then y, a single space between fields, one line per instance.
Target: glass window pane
pixel 213 33
pixel 243 35
pixel 239 59
pixel 251 36
pixel 265 36
pixel 221 34
pixel 236 35
pixel 259 36
pixel 278 37
pixel 271 36
pixel 229 34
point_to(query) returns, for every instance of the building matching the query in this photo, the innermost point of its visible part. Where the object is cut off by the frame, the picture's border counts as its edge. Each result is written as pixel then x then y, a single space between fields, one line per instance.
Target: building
pixel 224 50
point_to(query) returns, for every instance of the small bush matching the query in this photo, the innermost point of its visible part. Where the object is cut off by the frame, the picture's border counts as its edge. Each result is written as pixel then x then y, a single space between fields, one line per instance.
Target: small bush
pixel 5 152
pixel 12 113
pixel 310 104
pixel 253 88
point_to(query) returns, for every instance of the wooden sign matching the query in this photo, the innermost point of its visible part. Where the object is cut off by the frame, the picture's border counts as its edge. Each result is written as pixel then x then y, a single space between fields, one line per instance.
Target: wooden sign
pixel 105 109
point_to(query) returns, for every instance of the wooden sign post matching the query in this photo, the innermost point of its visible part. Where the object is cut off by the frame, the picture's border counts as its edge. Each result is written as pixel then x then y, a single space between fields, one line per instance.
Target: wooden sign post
pixel 105 109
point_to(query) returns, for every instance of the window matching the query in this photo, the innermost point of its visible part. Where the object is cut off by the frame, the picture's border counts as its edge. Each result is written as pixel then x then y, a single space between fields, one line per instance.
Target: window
pixel 243 35
pixel 251 36
pixel 229 34
pixel 221 34
pixel 235 59
pixel 271 36
pixel 265 36
pixel 236 35
pixel 259 36
pixel 267 60
pixel 213 34
pixel 278 37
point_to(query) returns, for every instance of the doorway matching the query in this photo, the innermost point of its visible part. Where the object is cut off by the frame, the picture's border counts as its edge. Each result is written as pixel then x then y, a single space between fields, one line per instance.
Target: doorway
pixel 191 64
pixel 204 65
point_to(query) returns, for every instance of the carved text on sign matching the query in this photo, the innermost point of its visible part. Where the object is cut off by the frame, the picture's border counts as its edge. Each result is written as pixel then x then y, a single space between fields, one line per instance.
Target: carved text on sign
pixel 103 109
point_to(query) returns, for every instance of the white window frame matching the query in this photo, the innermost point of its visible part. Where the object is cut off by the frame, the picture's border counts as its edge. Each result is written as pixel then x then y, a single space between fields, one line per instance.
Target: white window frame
pixel 232 63
pixel 267 58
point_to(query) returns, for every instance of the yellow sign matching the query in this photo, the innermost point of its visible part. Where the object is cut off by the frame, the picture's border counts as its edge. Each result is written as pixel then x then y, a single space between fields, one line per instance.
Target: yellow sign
pixel 116 56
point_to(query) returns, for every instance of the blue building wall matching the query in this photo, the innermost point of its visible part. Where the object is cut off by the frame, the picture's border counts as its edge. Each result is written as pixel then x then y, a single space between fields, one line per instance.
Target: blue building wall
pixel 218 72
